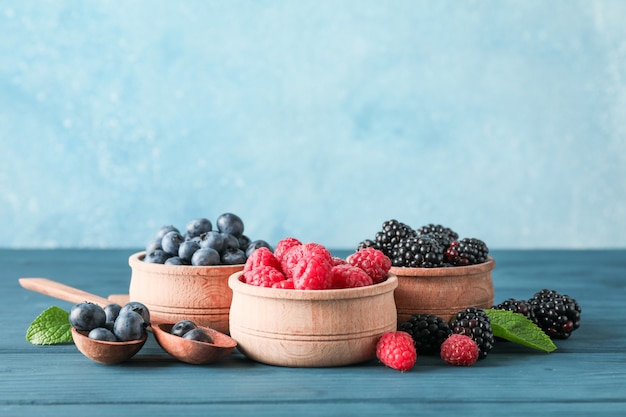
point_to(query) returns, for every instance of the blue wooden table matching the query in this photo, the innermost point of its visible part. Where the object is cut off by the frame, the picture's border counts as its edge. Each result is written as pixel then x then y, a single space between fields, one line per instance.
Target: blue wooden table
pixel 586 375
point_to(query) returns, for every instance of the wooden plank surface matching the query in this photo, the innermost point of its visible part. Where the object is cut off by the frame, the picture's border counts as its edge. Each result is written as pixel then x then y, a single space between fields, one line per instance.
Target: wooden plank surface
pixel 586 374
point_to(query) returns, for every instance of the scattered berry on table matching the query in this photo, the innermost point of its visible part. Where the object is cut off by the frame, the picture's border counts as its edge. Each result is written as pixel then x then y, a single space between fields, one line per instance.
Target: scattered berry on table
pixel 396 350
pixel 475 323
pixel 556 314
pixel 428 332
pixel 517 306
pixel 459 350
pixel 372 261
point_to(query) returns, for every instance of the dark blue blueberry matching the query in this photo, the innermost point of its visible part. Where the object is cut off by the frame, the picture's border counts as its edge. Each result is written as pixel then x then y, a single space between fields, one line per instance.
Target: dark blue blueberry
pixel 231 243
pixel 187 249
pixel 176 260
pixel 102 333
pixel 256 244
pixel 129 326
pixel 159 256
pixel 164 230
pixel 154 245
pixel 171 242
pixel 198 226
pixel 213 240
pixel 139 308
pixel 87 316
pixel 230 223
pixel 205 257
pixel 234 257
pixel 112 311
pixel 244 241
pixel 182 327
pixel 199 335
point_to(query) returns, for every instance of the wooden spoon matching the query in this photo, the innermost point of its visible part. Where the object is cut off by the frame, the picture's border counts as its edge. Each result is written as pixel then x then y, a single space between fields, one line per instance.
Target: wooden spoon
pixel 185 350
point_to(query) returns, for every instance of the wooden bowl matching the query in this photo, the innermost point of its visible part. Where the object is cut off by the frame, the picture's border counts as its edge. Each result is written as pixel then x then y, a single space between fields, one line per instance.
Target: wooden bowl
pixel 306 328
pixel 108 353
pixel 177 292
pixel 443 291
pixel 193 351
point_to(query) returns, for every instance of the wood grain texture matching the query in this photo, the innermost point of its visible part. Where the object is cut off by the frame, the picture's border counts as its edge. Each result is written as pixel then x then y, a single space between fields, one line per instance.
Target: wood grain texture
pixel 585 375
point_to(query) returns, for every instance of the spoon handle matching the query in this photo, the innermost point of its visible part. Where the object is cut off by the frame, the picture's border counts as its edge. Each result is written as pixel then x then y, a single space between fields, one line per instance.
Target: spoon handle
pixel 61 291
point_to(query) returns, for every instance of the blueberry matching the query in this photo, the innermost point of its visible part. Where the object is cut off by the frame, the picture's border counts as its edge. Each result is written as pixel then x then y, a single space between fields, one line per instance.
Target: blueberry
pixel 198 335
pixel 112 311
pixel 256 244
pixel 129 326
pixel 234 257
pixel 176 260
pixel 230 223
pixel 213 240
pixel 182 327
pixel 205 257
pixel 153 245
pixel 187 249
pixel 231 242
pixel 244 241
pixel 164 230
pixel 159 256
pixel 87 316
pixel 102 333
pixel 171 242
pixel 139 308
pixel 198 226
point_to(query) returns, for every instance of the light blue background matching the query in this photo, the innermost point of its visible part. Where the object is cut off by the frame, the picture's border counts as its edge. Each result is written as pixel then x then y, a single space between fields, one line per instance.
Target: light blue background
pixel 505 120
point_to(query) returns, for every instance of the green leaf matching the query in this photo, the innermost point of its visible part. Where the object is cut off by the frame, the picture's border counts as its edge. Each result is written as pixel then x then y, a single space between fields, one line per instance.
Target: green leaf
pixel 50 327
pixel 518 328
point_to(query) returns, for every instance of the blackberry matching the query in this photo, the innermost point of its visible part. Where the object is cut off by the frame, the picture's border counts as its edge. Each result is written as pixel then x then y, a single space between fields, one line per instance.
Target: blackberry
pixel 557 315
pixel 444 235
pixel 475 323
pixel 418 252
pixel 392 233
pixel 428 332
pixel 367 243
pixel 467 251
pixel 518 306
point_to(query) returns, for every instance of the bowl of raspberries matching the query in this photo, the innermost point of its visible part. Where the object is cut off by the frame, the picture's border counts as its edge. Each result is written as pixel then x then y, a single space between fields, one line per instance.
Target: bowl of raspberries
pixel 438 272
pixel 183 273
pixel 299 306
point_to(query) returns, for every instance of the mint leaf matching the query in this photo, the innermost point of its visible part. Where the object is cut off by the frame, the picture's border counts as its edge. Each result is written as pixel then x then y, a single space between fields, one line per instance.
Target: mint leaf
pixel 518 328
pixel 50 327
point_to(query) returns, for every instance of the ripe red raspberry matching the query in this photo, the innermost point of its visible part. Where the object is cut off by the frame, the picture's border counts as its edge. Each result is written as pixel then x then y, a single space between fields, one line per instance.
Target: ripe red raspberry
pixel 338 261
pixel 261 256
pixel 348 276
pixel 372 261
pixel 313 273
pixel 283 246
pixel 263 276
pixel 459 350
pixel 286 284
pixel 298 252
pixel 289 260
pixel 396 350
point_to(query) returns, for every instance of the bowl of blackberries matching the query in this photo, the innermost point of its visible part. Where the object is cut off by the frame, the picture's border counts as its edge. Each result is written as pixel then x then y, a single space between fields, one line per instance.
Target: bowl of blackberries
pixel 438 272
pixel 183 272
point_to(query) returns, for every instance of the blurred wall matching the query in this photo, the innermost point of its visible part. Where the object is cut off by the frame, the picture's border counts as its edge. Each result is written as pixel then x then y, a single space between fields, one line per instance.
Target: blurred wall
pixel 504 120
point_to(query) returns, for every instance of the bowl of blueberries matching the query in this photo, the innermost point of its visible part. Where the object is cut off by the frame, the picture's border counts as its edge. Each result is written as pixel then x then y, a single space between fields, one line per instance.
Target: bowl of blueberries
pixel 183 274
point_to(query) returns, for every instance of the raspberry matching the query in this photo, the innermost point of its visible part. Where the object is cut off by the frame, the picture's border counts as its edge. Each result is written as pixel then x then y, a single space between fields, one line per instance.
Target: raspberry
pixel 261 256
pixel 396 350
pixel 263 276
pixel 349 276
pixel 459 350
pixel 283 246
pixel 475 323
pixel 338 261
pixel 372 261
pixel 312 272
pixel 286 284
